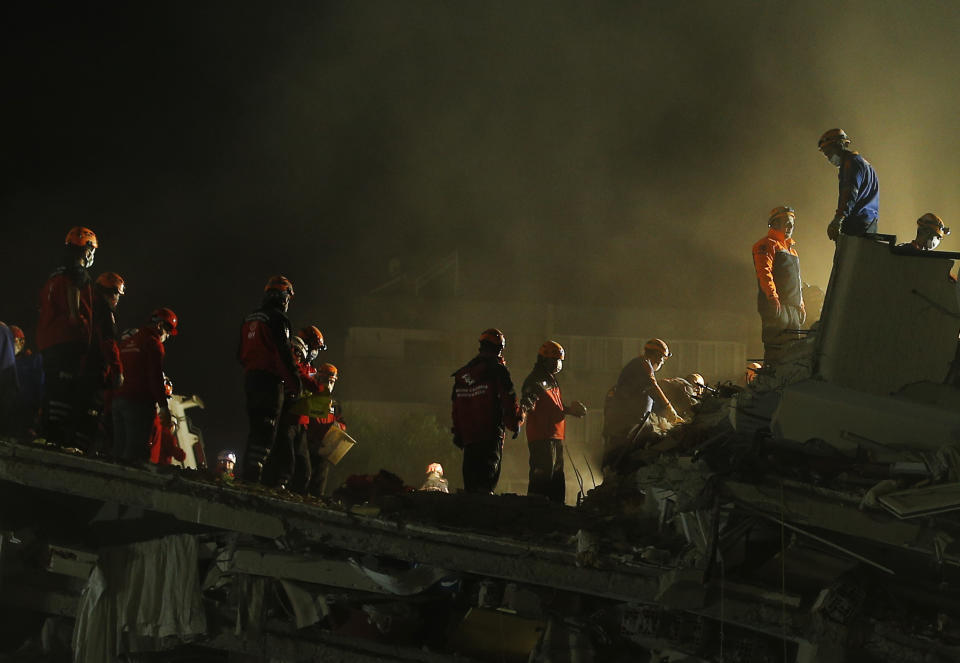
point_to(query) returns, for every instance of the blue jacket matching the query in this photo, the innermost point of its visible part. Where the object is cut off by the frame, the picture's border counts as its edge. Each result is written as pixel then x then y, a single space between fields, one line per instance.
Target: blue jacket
pixel 859 200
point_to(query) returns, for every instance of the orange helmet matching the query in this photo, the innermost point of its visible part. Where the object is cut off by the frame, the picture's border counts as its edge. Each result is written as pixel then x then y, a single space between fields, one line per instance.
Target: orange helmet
pixel 313 338
pixel 435 467
pixel 279 283
pixel 17 333
pixel 493 337
pixel 658 346
pixel 780 212
pixel 111 281
pixel 934 223
pixel 329 370
pixel 168 318
pixel 551 350
pixel 833 136
pixel 82 237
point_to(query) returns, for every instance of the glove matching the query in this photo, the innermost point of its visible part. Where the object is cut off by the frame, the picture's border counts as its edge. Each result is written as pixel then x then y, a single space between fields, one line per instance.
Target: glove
pixel 577 409
pixel 673 417
pixel 833 230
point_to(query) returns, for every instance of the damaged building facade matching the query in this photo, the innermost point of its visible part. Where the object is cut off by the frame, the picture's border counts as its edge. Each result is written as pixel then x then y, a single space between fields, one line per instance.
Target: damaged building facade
pixel 811 516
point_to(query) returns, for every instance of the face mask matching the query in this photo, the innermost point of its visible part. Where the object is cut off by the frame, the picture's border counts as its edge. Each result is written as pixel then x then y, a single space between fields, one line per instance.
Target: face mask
pixel 931 243
pixel 835 160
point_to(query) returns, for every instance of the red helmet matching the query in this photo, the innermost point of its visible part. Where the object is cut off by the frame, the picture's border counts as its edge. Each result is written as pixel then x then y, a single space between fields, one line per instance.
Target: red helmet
pixel 551 350
pixel 328 369
pixel 312 337
pixel 80 236
pixel 493 337
pixel 168 318
pixel 17 333
pixel 111 281
pixel 279 283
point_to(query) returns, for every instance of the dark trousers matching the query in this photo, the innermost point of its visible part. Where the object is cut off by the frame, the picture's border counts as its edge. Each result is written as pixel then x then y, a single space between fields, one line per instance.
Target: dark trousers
pixel 546 470
pixel 320 470
pixel 61 365
pixel 288 463
pixel 264 404
pixel 132 429
pixel 9 390
pixel 481 465
pixel 776 338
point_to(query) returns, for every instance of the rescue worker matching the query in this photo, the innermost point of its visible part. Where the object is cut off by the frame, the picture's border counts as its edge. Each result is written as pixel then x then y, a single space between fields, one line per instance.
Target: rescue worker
pixel 779 288
pixel 143 394
pixel 315 343
pixel 751 373
pixel 630 401
pixel 485 406
pixel 102 370
pixel 226 461
pixel 542 401
pixel 287 466
pixel 164 447
pixel 326 378
pixel 270 375
pixel 26 413
pixel 858 203
pixel 434 481
pixel 930 232
pixel 64 333
pixel 9 385
pixel 684 393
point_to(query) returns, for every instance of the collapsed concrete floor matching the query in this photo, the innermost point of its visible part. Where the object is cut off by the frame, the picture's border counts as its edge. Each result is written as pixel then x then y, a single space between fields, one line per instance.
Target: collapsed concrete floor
pixel 703 552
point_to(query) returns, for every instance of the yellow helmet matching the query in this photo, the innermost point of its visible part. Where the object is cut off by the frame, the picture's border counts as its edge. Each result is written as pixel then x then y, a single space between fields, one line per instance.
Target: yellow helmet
pixel 657 345
pixel 833 136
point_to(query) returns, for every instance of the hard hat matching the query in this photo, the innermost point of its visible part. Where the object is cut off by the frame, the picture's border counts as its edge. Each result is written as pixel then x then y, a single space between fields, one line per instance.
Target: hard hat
pixel 493 337
pixel 551 350
pixel 657 345
pixel 934 223
pixel 329 370
pixel 168 318
pixel 313 338
pixel 17 333
pixel 299 347
pixel 226 454
pixel 111 281
pixel 696 378
pixel 279 283
pixel 782 211
pixel 833 136
pixel 435 467
pixel 167 385
pixel 82 237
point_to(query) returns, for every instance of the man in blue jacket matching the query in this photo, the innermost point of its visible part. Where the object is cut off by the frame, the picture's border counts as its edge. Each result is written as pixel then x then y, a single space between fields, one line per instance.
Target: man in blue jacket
pixel 858 204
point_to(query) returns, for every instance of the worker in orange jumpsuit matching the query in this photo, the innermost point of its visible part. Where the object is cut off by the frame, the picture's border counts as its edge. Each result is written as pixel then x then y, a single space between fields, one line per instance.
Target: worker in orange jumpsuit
pixel 779 288
pixel 545 424
pixel 271 378
pixel 102 370
pixel 485 406
pixel 143 394
pixel 64 334
pixel 317 428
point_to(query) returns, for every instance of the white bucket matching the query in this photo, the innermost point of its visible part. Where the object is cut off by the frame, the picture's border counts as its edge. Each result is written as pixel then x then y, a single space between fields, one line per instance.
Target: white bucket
pixel 335 444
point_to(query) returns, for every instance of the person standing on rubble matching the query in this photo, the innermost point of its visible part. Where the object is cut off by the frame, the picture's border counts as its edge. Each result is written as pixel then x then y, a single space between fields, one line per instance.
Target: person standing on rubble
pixel 930 232
pixel 64 334
pixel 30 376
pixel 858 203
pixel 143 393
pixel 271 381
pixel 9 385
pixel 485 406
pixel 779 288
pixel 326 378
pixel 542 401
pixel 630 401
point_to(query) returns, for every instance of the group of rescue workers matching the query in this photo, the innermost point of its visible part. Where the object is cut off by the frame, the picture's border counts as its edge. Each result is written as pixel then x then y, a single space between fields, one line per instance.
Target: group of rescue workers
pixel 96 391
pixel 780 288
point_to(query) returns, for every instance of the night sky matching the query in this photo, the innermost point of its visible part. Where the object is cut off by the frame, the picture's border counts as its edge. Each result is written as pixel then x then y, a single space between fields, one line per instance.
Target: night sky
pixel 625 152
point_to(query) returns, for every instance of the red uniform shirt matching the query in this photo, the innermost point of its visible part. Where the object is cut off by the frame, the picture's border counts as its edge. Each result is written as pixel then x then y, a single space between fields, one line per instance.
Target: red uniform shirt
pixel 142 355
pixel 484 402
pixel 546 420
pixel 265 345
pixel 58 322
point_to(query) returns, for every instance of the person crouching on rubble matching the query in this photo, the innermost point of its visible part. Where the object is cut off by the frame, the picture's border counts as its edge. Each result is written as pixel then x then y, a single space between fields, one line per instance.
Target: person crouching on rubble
pixel 143 394
pixel 630 401
pixel 545 426
pixel 485 406
pixel 434 482
pixel 271 379
pixel 930 232
pixel 684 393
pixel 779 289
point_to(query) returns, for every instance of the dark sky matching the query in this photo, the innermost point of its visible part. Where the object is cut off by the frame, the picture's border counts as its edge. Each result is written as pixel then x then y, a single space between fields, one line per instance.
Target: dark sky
pixel 625 152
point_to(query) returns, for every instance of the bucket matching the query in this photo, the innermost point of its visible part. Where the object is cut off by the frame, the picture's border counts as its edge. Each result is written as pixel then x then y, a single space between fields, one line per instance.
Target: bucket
pixel 335 445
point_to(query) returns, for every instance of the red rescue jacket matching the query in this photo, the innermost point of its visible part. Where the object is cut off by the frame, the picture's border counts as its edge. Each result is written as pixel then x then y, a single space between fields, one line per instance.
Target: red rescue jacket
pixel 142 355
pixel 546 420
pixel 57 322
pixel 265 346
pixel 484 402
